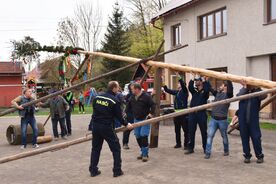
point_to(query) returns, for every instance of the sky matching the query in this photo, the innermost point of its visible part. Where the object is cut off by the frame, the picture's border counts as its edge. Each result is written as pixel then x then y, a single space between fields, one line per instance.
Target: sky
pixel 39 19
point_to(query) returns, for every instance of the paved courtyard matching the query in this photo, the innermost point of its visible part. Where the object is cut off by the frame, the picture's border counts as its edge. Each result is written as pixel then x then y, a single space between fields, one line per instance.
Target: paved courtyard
pixel 166 165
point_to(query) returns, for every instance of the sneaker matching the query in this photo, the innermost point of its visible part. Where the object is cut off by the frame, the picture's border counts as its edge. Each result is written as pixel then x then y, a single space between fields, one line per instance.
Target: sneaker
pixel 226 154
pixel 125 146
pixel 139 157
pixel 35 146
pixel 260 160
pixel 64 138
pixel 95 174
pixel 189 152
pixel 69 134
pixel 145 158
pixel 177 146
pixel 118 174
pixel 56 139
pixel 247 160
pixel 207 156
pixel 23 147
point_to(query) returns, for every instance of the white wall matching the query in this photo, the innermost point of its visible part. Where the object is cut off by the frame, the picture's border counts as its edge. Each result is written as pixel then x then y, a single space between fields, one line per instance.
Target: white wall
pixel 247 37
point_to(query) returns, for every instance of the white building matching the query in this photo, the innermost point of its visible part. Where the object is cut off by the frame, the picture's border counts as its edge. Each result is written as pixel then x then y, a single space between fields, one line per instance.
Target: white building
pixel 237 36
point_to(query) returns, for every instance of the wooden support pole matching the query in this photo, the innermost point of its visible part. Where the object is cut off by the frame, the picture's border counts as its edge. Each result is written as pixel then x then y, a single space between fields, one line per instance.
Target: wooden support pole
pixel 144 78
pixel 47 120
pixel 149 68
pixel 135 125
pixel 268 101
pixel 79 69
pixel 154 131
pixel 203 72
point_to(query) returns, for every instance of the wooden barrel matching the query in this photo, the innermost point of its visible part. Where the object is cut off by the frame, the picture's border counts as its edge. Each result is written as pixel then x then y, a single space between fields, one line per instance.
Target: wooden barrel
pixel 13 133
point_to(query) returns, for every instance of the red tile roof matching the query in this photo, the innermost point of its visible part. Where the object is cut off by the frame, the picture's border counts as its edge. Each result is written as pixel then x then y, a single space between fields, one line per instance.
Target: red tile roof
pixel 11 68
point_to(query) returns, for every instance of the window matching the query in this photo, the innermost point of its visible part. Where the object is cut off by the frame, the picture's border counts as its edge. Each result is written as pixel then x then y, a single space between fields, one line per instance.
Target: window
pixel 213 24
pixel 271 10
pixel 176 35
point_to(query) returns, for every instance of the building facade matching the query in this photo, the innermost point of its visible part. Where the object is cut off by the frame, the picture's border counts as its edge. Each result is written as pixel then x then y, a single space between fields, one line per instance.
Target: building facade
pixel 235 36
pixel 10 82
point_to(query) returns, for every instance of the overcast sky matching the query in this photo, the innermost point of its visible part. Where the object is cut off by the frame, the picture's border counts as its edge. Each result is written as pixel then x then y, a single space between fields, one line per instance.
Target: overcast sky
pixel 38 19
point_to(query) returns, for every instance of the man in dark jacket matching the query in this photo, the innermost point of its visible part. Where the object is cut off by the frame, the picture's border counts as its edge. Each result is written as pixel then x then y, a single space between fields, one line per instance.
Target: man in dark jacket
pixel 142 107
pixel 58 106
pixel 200 94
pixel 219 116
pixel 180 102
pixel 249 123
pixel 129 118
pixel 105 109
pixel 68 97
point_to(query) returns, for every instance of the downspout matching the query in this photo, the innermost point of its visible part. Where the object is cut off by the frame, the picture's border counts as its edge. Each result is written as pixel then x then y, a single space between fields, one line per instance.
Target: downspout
pixel 153 24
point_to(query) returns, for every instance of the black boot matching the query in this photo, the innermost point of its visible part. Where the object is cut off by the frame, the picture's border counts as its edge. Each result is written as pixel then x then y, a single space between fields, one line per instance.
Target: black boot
pixel 95 173
pixel 117 174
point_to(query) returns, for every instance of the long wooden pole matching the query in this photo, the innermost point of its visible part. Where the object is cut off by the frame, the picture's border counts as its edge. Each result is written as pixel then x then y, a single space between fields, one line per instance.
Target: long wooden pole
pixel 87 82
pixel 203 72
pixel 135 125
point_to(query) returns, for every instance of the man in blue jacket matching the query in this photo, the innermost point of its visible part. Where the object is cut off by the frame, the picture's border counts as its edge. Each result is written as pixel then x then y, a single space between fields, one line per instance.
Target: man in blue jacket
pixel 249 123
pixel 105 109
pixel 200 89
pixel 180 102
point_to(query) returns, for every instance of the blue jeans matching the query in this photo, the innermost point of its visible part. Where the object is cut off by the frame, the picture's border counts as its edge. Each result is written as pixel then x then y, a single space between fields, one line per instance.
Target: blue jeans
pixel 214 125
pixel 24 125
pixel 142 133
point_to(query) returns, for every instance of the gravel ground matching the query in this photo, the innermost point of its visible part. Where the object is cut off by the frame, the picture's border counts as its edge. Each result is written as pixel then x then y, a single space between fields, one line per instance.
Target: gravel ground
pixel 166 164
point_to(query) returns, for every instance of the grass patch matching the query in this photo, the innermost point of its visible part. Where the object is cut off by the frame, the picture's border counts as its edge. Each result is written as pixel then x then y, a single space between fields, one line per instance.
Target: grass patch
pixel 268 126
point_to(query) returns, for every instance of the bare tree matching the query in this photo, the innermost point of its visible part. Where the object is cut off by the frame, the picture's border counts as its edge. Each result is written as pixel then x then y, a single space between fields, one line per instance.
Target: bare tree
pixel 68 33
pixel 89 18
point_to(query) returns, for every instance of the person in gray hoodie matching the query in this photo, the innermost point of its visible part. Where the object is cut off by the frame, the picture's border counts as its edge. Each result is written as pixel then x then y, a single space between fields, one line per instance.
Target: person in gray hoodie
pixel 219 116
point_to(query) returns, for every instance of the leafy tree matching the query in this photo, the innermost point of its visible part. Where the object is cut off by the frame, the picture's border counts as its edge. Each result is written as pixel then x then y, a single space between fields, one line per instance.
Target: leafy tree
pixel 25 50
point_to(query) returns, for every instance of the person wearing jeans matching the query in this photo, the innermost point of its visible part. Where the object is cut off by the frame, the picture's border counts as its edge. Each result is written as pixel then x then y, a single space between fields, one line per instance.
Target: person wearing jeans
pixel 143 107
pixel 27 117
pixel 214 125
pixel 219 116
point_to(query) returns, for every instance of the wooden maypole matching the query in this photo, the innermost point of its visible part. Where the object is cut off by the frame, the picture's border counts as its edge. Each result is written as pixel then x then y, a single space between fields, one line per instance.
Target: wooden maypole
pixel 203 72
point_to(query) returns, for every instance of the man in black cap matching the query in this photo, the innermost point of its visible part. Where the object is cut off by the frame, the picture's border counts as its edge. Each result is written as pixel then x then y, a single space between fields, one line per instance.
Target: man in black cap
pixel 200 89
pixel 105 109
